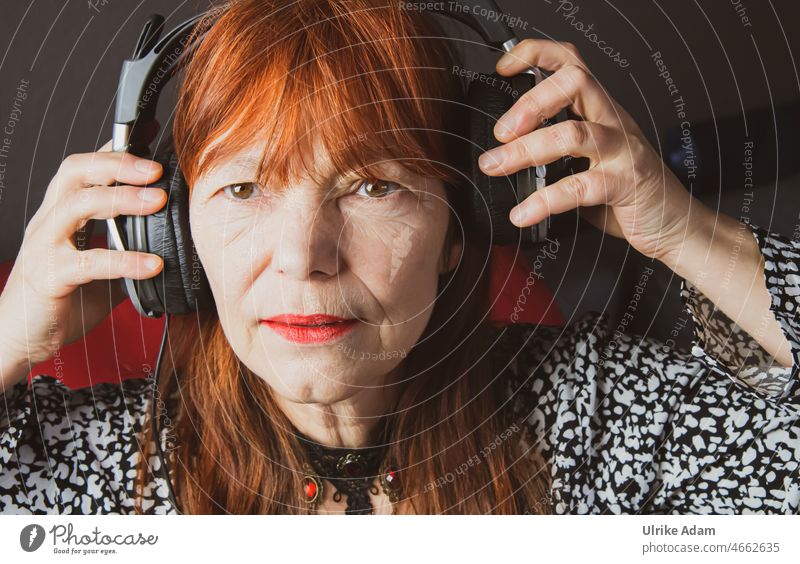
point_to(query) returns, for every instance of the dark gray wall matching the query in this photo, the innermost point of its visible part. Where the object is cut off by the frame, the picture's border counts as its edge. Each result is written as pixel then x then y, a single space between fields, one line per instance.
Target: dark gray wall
pixel 68 54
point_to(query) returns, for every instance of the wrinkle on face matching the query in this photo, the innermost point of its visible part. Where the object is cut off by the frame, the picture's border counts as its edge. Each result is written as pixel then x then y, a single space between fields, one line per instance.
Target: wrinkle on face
pixel 318 246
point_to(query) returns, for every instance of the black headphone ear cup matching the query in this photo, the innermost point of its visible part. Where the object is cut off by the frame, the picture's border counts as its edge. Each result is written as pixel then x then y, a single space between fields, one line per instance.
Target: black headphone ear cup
pixel 489 96
pixel 182 286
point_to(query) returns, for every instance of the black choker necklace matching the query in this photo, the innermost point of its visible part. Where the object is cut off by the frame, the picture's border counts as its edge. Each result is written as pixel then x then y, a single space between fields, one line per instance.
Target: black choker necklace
pixel 351 471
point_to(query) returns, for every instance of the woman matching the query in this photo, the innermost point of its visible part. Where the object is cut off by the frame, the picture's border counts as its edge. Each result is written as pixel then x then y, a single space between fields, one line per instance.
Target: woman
pixel 324 180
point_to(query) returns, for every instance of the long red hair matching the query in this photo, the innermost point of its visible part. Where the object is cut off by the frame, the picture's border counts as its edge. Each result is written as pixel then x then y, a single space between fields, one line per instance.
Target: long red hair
pixel 370 81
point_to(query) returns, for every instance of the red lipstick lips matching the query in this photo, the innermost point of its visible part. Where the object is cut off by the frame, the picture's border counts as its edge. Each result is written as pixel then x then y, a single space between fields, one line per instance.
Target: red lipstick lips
pixel 319 328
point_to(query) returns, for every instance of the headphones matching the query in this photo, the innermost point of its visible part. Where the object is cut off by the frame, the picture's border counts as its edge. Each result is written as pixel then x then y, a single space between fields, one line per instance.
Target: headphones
pixel 182 287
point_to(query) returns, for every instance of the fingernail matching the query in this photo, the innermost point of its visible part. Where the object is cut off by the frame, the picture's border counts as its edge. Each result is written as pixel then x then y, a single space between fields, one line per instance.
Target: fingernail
pixel 151 194
pixel 152 263
pixel 143 165
pixel 491 160
pixel 517 215
pixel 504 62
pixel 505 127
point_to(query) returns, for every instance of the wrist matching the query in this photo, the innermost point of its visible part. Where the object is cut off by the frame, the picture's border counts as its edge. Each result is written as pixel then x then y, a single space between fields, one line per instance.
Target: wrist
pixel 13 367
pixel 691 247
pixel 14 361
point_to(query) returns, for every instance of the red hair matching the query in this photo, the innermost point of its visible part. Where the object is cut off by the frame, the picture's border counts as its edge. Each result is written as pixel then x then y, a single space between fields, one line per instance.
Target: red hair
pixel 346 74
pixel 369 81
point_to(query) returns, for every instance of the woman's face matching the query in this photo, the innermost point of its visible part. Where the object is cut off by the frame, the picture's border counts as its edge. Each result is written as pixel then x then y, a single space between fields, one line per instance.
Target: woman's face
pixel 367 250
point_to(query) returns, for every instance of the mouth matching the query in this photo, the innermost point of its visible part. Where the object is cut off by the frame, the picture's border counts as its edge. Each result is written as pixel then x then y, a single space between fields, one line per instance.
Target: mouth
pixel 315 320
pixel 318 328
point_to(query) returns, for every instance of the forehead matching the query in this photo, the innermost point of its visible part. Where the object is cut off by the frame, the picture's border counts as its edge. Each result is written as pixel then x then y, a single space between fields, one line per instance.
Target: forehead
pixel 243 165
pixel 251 156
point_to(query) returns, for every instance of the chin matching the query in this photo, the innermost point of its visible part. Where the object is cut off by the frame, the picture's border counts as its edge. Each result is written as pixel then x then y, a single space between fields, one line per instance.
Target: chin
pixel 300 382
pixel 308 391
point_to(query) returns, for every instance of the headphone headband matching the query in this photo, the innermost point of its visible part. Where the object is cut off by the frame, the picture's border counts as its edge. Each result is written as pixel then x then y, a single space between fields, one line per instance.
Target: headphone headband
pixel 153 63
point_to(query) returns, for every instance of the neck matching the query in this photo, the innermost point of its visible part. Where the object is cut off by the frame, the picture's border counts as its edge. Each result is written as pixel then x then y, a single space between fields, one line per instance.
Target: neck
pixel 349 423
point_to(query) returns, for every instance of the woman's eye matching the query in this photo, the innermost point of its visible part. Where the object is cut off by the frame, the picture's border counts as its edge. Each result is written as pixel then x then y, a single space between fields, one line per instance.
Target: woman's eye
pixel 377 189
pixel 241 191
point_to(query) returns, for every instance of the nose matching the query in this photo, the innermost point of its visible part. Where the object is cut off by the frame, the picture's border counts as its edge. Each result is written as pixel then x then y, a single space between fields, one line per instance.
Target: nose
pixel 308 240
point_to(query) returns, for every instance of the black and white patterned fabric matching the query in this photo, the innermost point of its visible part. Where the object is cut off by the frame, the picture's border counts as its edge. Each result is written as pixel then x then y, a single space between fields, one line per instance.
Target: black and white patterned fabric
pixel 66 451
pixel 627 424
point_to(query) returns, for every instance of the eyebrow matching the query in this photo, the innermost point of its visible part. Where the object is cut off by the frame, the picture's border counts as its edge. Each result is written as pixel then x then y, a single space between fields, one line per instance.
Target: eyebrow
pixel 248 162
pixel 245 161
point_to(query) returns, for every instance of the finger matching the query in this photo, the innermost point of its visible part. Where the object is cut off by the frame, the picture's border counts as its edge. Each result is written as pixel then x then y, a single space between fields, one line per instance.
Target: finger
pixel 103 202
pixel 106 168
pixel 570 87
pixel 107 147
pixel 543 146
pixel 101 168
pixel 543 53
pixel 589 188
pixel 105 264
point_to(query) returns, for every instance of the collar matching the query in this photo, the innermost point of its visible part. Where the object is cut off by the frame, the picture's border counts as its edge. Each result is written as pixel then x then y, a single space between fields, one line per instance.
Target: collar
pixel 350 470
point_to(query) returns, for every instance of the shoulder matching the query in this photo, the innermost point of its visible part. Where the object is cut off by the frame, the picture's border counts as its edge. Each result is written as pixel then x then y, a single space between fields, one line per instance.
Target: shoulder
pixel 53 405
pixel 549 373
pixel 113 396
pixel 66 450
pixel 559 352
pixel 570 383
pixel 94 414
pixel 588 349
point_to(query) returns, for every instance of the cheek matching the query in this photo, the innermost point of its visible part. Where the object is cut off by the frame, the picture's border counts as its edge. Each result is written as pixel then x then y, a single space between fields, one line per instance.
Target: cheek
pixel 218 241
pixel 398 261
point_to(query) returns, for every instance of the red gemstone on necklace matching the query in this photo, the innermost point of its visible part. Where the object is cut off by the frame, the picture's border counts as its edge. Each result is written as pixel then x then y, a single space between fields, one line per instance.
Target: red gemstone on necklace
pixel 391 478
pixel 310 489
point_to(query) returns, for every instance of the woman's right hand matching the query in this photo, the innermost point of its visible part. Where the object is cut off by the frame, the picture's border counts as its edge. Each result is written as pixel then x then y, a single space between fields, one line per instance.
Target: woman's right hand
pixel 41 308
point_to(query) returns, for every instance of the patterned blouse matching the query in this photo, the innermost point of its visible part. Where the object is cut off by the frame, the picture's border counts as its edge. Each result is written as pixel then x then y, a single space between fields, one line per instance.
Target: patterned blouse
pixel 628 424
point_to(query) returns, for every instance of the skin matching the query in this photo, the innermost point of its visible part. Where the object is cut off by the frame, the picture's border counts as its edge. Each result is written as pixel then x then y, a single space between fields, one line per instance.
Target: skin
pixel 311 249
pixel 326 247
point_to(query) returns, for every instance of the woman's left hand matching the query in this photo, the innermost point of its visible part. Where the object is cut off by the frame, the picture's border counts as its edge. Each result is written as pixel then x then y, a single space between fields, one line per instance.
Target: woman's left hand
pixel 648 205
